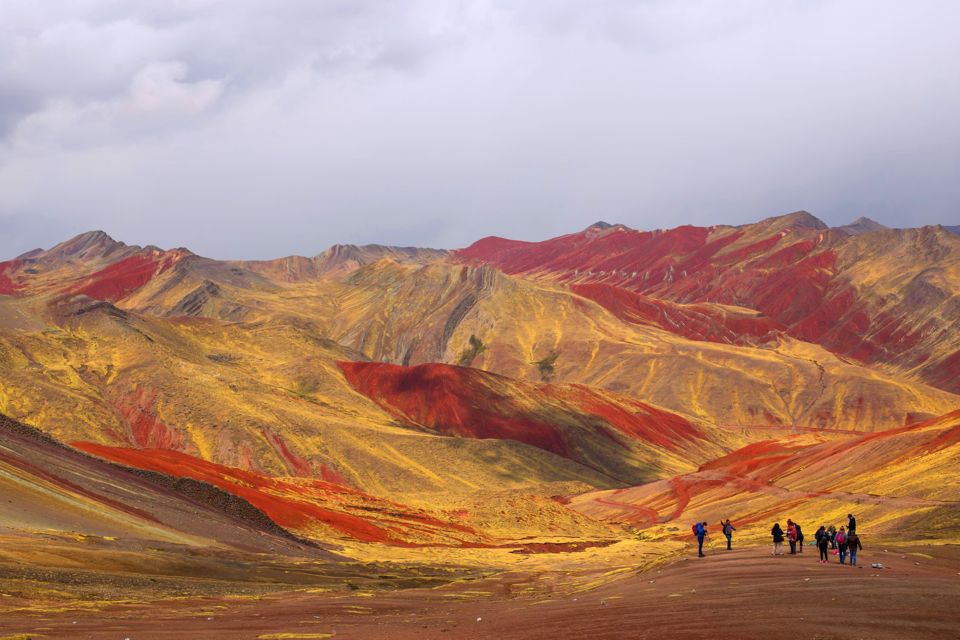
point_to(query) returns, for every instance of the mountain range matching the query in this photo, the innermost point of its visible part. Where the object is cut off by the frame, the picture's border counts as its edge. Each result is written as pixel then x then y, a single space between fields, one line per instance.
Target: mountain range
pixel 505 395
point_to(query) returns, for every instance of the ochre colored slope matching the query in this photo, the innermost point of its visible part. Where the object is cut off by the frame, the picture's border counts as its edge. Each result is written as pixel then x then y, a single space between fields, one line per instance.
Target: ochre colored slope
pixel 899 483
pixel 314 508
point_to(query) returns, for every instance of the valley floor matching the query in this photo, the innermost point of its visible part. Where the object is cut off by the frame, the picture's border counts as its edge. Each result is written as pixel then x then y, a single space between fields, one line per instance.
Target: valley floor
pixel 740 594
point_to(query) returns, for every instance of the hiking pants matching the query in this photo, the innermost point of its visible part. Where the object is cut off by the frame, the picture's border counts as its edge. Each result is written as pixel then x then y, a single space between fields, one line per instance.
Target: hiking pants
pixel 843 555
pixel 800 542
pixel 793 547
pixel 699 545
pixel 729 540
pixel 853 556
pixel 823 551
pixel 778 548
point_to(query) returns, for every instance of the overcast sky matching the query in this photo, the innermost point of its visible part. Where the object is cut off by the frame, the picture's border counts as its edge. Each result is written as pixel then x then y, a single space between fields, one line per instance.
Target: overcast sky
pixel 245 129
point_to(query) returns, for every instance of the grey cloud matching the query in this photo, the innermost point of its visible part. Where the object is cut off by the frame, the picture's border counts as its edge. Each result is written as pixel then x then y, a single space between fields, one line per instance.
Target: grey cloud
pixel 254 129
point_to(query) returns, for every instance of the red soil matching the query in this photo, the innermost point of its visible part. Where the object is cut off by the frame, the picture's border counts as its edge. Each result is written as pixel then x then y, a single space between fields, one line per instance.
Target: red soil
pixel 146 430
pixel 7 286
pixel 697 322
pixel 123 277
pixel 453 401
pixel 296 464
pixel 470 403
pixel 286 503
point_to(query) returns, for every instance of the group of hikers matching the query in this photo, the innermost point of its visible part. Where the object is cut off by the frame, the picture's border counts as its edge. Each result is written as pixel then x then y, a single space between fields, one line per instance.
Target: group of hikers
pixel 843 541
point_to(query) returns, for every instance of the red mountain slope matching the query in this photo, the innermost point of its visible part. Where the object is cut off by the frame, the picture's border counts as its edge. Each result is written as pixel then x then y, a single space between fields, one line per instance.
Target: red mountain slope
pixel 573 421
pixel 885 296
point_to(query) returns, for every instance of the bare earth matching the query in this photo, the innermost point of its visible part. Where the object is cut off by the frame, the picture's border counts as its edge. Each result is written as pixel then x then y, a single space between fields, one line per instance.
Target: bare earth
pixel 739 594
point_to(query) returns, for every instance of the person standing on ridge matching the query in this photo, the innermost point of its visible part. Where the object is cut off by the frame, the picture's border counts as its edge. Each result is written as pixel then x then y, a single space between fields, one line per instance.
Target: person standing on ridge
pixel 823 541
pixel 792 536
pixel 851 524
pixel 799 537
pixel 777 534
pixel 853 545
pixel 832 530
pixel 701 530
pixel 728 530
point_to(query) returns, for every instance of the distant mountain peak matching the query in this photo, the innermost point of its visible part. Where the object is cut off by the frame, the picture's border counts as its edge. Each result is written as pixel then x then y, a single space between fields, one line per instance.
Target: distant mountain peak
pixel 601 227
pixel 862 225
pixel 92 242
pixel 795 220
pixel 600 224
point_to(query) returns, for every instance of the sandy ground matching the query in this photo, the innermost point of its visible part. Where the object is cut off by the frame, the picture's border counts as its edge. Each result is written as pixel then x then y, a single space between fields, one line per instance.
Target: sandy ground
pixel 739 594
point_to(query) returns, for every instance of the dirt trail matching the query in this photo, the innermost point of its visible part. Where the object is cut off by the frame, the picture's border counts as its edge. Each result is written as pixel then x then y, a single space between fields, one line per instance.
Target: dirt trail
pixel 740 594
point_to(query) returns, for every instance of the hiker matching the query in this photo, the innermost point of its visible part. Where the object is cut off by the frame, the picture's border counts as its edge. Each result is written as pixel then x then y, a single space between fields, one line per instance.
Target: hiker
pixel 851 524
pixel 853 545
pixel 728 530
pixel 842 544
pixel 792 537
pixel 777 534
pixel 799 537
pixel 823 541
pixel 832 530
pixel 701 530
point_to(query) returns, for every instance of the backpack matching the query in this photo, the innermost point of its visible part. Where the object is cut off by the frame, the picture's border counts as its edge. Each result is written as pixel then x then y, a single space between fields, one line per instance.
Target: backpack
pixel 695 527
pixel 841 539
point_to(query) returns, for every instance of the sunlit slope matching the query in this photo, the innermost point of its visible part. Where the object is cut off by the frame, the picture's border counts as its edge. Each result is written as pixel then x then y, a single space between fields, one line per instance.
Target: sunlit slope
pixel 423 310
pixel 48 488
pixel 901 482
pixel 884 296
pixel 414 314
pixel 266 398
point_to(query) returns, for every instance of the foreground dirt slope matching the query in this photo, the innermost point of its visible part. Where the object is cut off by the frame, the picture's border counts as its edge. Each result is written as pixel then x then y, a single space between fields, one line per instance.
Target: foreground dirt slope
pixel 741 594
pixel 48 487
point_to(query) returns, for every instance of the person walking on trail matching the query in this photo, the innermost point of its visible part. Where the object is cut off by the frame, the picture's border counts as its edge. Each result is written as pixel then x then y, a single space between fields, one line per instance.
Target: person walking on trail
pixel 851 524
pixel 832 530
pixel 792 537
pixel 823 542
pixel 728 530
pixel 701 530
pixel 842 544
pixel 777 534
pixel 799 537
pixel 853 545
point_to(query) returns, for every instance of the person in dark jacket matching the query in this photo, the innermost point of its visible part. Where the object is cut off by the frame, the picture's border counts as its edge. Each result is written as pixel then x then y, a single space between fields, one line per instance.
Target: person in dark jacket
pixel 799 537
pixel 823 542
pixel 851 523
pixel 728 530
pixel 842 545
pixel 777 534
pixel 853 545
pixel 701 531
pixel 832 531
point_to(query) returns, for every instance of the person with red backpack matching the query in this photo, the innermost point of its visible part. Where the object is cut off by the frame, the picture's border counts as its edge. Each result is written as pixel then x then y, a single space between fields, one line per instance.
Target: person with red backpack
pixel 842 544
pixel 792 537
pixel 700 530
